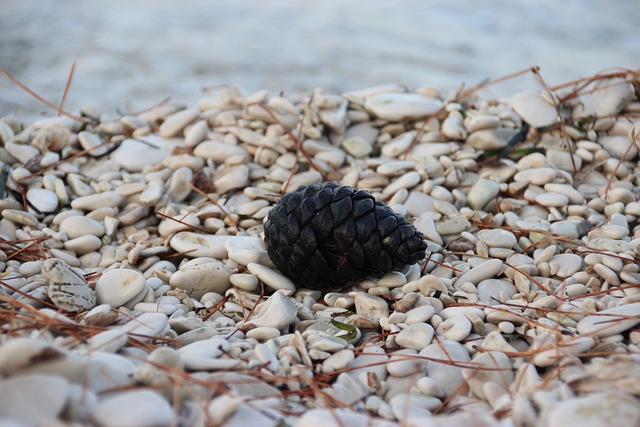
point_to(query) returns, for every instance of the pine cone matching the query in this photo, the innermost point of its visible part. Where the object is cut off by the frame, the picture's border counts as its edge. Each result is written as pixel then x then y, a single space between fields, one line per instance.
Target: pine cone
pixel 323 236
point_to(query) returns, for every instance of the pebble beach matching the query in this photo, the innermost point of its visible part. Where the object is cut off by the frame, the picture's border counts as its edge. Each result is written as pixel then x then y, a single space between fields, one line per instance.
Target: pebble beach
pixel 136 288
pixel 145 151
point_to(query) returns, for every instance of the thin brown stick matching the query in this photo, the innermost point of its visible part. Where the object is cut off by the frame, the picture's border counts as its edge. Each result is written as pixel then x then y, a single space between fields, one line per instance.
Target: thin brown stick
pixel 66 88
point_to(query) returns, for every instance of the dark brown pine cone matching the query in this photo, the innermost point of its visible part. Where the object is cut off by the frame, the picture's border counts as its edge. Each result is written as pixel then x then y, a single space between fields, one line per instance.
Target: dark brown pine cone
pixel 323 236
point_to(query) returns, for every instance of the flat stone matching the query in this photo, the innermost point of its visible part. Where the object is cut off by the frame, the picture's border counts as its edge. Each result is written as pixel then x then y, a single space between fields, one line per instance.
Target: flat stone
pixel 33 399
pixel 120 287
pixel 134 154
pixel 66 288
pixel 42 199
pixel 439 367
pixel 78 226
pixel 485 270
pixel 534 109
pixel 218 151
pixel 594 410
pixel 491 139
pixel 144 408
pixel 424 223
pixel 455 328
pixel 495 291
pixel 565 265
pixel 108 199
pixel 276 312
pixel 371 306
pixel 482 192
pixel 201 275
pixel 416 336
pixel 608 97
pixel 402 106
pixel 455 225
pixel 175 123
pixel 498 238
pixel 272 278
pixel 493 367
pixel 611 321
pixel 196 245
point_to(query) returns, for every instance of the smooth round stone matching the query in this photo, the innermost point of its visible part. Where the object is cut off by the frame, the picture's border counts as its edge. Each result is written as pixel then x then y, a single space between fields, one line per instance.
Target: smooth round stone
pixel 108 199
pixel 493 367
pixel 416 336
pixel 490 139
pixel 495 291
pixel 402 106
pixel 247 249
pixel 93 144
pixel 393 279
pixel 482 192
pixel 562 350
pixel 336 418
pixel 196 245
pixel 565 228
pixel 66 288
pixel 617 145
pixel 272 278
pixel 109 341
pixel 337 361
pixel 201 275
pixel 611 321
pixel 534 109
pixel 552 200
pixel 276 312
pixel 43 200
pixel 371 306
pixel 263 333
pixel 78 226
pixel 83 244
pixel 177 223
pixel 424 223
pixel 33 399
pixel 439 368
pixel 146 326
pixel 608 97
pixel 419 314
pixel 594 410
pixel 218 151
pixel 234 178
pixel 536 176
pixel 565 265
pixel 455 328
pixel 142 408
pixel 357 147
pixel 497 238
pixel 485 270
pixel 119 287
pixel 246 282
pixel 20 217
pixel 175 123
pixel 404 362
pixel 134 154
pixel 455 225
pixel 372 362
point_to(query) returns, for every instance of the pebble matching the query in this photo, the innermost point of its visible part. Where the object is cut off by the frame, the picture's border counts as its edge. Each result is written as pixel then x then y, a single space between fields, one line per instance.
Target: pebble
pixel 42 199
pixel 482 192
pixel 371 306
pixel 134 155
pixel 416 336
pixel 440 368
pixel 277 312
pixel 482 271
pixel 201 275
pixel 78 226
pixel 33 399
pixel 196 245
pixel 66 288
pixel 534 109
pixel 271 278
pixel 611 321
pixel 594 410
pixel 497 238
pixel 402 106
pixel 133 408
pixel 120 287
pixel 455 328
pixel 497 369
pixel 108 199
pixel 490 139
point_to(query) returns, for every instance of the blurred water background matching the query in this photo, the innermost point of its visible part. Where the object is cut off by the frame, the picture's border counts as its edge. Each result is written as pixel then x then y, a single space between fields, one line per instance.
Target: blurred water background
pixel 132 54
